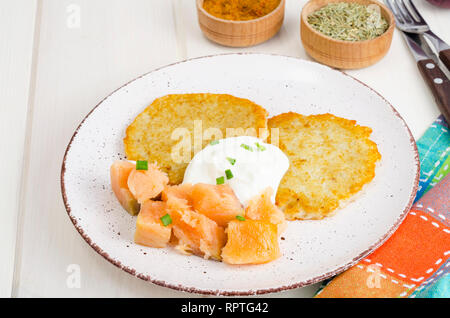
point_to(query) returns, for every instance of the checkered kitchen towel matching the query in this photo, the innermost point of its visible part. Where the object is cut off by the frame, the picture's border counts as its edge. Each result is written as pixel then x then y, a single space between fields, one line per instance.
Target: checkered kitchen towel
pixel 414 262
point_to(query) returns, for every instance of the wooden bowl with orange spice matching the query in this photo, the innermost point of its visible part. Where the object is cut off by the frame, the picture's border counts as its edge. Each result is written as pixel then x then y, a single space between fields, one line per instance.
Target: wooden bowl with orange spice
pixel 240 23
pixel 348 53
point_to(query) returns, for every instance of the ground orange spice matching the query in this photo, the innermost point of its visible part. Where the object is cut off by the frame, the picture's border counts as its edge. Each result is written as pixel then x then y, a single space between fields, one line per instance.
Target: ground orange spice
pixel 240 10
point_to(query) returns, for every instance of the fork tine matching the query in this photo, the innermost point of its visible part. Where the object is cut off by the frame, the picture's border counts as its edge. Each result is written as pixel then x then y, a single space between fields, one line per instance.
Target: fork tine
pixel 397 16
pixel 415 11
pixel 405 13
pixel 388 4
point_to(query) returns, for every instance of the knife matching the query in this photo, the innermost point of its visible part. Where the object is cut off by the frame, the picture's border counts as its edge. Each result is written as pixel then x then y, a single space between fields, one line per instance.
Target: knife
pixel 434 76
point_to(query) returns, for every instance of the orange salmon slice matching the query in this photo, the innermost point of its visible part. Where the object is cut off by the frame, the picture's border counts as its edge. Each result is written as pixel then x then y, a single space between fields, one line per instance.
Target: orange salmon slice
pixel 251 242
pixel 261 208
pixel 150 231
pixel 182 191
pixel 119 173
pixel 147 184
pixel 217 202
pixel 195 232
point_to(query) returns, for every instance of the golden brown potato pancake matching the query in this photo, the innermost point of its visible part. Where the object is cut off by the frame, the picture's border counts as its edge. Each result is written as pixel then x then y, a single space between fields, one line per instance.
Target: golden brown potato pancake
pixel 156 133
pixel 331 158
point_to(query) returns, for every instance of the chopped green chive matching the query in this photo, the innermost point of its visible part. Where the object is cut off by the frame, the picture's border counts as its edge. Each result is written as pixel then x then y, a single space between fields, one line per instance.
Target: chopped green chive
pixel 260 147
pixel 142 165
pixel 166 220
pixel 220 180
pixel 231 160
pixel 214 142
pixel 229 174
pixel 246 147
pixel 240 218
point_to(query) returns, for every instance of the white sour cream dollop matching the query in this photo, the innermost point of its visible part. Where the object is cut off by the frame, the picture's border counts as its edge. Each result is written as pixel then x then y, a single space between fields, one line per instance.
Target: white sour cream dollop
pixel 257 165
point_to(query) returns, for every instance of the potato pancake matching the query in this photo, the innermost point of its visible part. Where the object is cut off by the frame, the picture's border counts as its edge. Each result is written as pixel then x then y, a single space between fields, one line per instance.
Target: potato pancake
pixel 164 131
pixel 331 158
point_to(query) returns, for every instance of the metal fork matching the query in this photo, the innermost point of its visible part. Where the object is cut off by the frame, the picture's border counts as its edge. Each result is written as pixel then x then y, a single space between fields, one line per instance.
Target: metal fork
pixel 426 60
pixel 410 20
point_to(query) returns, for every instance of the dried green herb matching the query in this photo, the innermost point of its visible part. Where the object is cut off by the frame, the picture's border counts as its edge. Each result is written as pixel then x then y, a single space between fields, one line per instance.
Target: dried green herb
pixel 349 21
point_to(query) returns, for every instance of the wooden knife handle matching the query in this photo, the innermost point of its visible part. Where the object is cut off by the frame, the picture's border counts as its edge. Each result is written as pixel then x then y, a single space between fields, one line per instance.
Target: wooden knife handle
pixel 438 83
pixel 444 55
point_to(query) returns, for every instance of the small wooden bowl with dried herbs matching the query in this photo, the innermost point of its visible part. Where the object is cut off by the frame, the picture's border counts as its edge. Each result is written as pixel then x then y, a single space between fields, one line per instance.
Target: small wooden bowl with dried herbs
pixel 240 23
pixel 346 34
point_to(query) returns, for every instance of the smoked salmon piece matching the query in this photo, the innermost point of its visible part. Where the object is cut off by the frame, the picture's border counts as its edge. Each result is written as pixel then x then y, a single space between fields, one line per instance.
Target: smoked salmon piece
pixel 195 232
pixel 150 231
pixel 261 208
pixel 251 242
pixel 217 202
pixel 119 172
pixel 182 191
pixel 147 184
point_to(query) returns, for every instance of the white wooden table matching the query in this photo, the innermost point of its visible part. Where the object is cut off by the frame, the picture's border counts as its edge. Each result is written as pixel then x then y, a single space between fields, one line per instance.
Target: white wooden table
pixel 59 58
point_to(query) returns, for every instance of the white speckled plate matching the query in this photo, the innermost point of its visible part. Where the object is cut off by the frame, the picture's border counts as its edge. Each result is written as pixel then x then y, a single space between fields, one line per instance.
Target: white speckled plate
pixel 312 250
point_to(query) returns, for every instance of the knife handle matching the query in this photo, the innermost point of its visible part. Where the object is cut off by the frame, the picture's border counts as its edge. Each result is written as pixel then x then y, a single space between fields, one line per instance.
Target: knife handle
pixel 438 83
pixel 444 55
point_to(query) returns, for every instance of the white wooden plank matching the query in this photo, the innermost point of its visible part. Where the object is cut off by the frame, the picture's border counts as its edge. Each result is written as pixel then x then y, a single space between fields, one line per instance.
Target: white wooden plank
pixel 79 65
pixel 17 21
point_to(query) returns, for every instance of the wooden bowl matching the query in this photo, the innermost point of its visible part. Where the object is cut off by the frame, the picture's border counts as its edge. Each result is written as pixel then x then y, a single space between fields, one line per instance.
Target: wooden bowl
pixel 240 33
pixel 344 54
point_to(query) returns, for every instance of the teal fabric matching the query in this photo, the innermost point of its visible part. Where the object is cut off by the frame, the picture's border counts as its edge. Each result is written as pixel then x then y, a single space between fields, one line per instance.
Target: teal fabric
pixel 440 289
pixel 434 148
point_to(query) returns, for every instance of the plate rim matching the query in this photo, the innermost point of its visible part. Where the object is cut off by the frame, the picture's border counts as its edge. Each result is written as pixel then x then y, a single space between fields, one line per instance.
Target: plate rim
pixel 219 292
